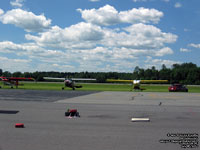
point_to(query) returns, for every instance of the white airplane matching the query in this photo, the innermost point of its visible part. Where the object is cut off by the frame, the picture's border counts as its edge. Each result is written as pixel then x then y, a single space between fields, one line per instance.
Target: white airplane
pixel 70 82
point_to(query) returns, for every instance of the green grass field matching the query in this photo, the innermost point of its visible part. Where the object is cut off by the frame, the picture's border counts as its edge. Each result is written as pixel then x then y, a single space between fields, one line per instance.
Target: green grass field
pixel 96 87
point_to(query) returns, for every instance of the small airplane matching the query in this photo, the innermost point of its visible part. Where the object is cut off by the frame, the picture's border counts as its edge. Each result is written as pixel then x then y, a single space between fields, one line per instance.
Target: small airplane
pixel 70 82
pixel 136 83
pixel 14 81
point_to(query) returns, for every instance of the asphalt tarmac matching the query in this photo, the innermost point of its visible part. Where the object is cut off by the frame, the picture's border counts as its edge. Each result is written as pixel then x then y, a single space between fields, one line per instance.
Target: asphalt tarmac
pixel 39 95
pixel 105 121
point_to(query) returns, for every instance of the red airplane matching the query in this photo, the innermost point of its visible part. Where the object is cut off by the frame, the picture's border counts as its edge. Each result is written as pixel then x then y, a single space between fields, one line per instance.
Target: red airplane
pixel 14 81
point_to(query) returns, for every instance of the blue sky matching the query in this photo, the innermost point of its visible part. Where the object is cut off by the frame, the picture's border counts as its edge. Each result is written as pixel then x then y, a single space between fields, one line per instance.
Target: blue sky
pixel 98 35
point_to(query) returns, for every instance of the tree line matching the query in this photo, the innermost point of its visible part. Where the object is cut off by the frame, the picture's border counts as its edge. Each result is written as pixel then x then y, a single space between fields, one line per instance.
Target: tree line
pixel 186 73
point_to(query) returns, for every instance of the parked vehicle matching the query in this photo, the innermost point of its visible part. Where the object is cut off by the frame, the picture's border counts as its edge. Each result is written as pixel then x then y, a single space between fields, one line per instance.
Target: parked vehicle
pixel 178 88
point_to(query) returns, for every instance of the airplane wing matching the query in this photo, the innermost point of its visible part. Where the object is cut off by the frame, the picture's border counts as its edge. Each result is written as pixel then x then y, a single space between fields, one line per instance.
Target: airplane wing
pixel 137 81
pixel 118 80
pixel 73 79
pixel 20 78
pixel 16 78
pixel 83 79
pixel 52 78
pixel 153 81
pixel 2 78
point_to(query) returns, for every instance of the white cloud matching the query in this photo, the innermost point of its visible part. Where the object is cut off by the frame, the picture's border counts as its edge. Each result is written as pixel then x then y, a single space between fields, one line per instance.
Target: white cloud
pixel 1 11
pixel 13 65
pixel 142 36
pixel 194 45
pixel 141 15
pixel 26 20
pixel 30 50
pixel 5 59
pixel 58 67
pixel 178 5
pixel 139 0
pixel 94 0
pixel 148 0
pixel 82 35
pixel 89 59
pixel 10 47
pixel 164 51
pixel 186 30
pixel 159 62
pixel 88 45
pixel 166 0
pixel 17 3
pixel 184 50
pixel 87 36
pixel 108 15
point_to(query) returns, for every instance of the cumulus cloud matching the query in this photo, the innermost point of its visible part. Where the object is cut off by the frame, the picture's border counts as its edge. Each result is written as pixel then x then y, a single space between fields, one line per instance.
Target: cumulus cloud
pixel 87 36
pixel 184 50
pixel 166 1
pixel 139 1
pixel 13 65
pixel 178 5
pixel 82 35
pixel 108 15
pixel 194 45
pixel 93 44
pixel 94 0
pixel 31 52
pixel 164 51
pixel 142 15
pixel 5 59
pixel 8 47
pixel 17 3
pixel 158 62
pixel 148 0
pixel 28 50
pixel 1 11
pixel 141 36
pixel 186 30
pixel 26 20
